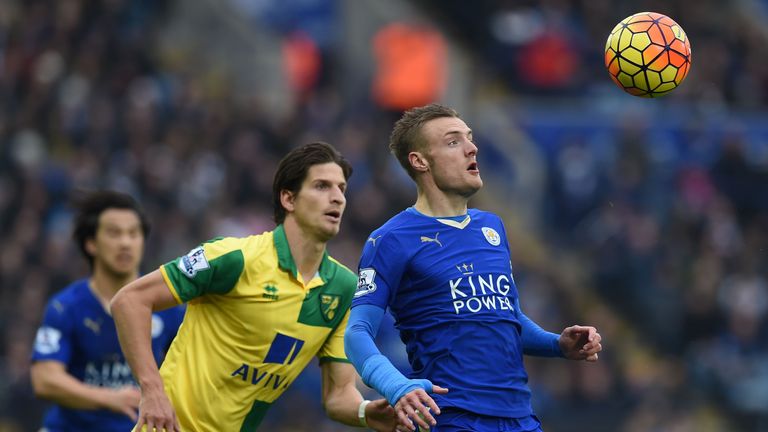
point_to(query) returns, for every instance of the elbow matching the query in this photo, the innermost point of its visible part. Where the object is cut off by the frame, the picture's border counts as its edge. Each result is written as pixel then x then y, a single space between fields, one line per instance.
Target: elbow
pixel 119 302
pixel 39 390
pixel 41 387
pixel 332 409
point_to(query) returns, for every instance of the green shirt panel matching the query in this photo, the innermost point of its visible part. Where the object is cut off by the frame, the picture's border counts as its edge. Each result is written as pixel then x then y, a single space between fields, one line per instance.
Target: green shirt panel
pixel 211 268
pixel 325 306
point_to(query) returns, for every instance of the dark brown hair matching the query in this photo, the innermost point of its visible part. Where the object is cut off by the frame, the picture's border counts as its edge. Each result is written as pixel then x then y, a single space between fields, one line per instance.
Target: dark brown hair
pixel 406 135
pixel 91 205
pixel 293 168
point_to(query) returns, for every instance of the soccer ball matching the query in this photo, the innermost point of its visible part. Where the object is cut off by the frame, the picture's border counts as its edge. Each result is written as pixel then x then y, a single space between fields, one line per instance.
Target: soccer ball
pixel 647 54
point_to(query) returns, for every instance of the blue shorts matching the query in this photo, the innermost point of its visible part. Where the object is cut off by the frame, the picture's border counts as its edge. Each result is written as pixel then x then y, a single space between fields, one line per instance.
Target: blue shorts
pixel 456 420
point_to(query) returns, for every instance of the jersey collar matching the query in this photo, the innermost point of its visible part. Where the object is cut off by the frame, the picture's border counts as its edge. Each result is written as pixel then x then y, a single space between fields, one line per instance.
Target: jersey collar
pixel 459 222
pixel 285 259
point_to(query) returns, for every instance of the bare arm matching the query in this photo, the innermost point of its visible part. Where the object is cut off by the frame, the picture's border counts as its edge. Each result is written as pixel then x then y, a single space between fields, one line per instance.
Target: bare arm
pixel 341 399
pixel 51 381
pixel 132 309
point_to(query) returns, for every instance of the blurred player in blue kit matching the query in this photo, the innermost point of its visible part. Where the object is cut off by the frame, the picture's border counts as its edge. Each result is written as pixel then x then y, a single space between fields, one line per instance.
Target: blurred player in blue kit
pixel 445 273
pixel 77 360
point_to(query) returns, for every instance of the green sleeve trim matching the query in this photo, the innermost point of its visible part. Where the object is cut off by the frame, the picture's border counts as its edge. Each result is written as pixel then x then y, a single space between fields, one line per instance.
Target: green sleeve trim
pixel 255 416
pixel 219 278
pixel 334 359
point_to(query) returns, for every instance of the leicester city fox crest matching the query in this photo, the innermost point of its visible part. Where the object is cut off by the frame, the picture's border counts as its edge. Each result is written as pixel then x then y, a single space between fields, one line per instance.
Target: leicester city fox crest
pixel 492 236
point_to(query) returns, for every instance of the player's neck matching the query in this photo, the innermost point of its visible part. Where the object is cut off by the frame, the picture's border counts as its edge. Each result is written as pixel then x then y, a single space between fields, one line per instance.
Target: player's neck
pixel 105 284
pixel 440 204
pixel 307 252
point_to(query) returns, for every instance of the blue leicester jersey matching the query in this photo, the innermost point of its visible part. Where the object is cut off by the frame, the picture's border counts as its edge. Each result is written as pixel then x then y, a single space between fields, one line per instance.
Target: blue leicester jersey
pixel 448 283
pixel 78 332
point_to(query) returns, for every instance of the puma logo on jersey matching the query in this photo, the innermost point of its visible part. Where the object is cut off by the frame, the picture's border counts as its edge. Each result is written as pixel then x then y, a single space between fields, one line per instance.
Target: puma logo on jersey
pixel 93 325
pixel 425 239
pixel 373 240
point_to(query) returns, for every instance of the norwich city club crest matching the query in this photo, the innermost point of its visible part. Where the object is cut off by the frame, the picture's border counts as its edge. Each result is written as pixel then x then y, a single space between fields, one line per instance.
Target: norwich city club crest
pixel 329 305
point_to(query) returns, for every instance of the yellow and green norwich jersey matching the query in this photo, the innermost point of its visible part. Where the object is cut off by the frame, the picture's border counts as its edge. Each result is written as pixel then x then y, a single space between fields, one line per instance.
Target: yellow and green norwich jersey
pixel 251 327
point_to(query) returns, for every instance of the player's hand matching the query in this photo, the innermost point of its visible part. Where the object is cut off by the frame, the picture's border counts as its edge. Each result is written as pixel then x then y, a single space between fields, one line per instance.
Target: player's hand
pixel 124 400
pixel 580 343
pixel 156 413
pixel 380 416
pixel 415 406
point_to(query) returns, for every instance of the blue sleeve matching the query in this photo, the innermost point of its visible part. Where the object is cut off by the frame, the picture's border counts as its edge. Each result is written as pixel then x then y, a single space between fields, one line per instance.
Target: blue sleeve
pixel 376 370
pixel 53 338
pixel 380 270
pixel 537 341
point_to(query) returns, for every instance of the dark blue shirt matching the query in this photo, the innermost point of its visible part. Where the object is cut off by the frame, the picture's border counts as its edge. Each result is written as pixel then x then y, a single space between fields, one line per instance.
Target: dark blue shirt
pixel 78 332
pixel 448 283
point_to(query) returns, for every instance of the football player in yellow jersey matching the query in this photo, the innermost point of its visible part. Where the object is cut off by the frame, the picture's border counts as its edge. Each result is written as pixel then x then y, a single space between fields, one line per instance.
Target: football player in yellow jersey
pixel 258 310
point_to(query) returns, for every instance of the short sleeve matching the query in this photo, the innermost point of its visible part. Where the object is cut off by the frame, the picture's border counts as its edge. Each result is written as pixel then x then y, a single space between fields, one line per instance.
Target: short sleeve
pixel 53 340
pixel 213 267
pixel 333 349
pixel 381 268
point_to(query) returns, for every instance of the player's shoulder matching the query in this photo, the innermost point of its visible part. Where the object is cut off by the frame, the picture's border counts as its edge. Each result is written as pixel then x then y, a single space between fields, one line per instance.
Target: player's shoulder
pixel 73 293
pixel 483 216
pixel 340 273
pixel 476 213
pixel 248 245
pixel 396 226
pixel 339 267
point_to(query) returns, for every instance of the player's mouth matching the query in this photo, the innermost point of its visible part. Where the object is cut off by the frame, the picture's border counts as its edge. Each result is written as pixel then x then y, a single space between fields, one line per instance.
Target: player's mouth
pixel 473 168
pixel 333 215
pixel 124 258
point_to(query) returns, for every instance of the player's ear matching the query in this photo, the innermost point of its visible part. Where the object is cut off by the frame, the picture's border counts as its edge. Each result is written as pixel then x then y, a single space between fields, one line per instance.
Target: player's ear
pixel 418 161
pixel 287 199
pixel 90 246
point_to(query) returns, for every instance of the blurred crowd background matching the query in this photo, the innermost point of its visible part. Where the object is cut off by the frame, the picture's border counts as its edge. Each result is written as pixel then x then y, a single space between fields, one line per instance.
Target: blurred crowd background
pixel 645 218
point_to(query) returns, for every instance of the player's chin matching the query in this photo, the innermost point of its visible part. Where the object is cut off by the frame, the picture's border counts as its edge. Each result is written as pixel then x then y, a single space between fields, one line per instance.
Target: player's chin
pixel 124 269
pixel 474 179
pixel 478 182
pixel 472 187
pixel 329 230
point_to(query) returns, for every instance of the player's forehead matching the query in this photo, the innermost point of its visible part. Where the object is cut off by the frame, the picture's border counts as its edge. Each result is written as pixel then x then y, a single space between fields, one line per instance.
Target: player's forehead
pixel 443 127
pixel 330 172
pixel 118 218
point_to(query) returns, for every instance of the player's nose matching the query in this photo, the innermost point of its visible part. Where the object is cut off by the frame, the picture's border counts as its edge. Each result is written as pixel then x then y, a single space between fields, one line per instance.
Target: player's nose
pixel 338 197
pixel 471 148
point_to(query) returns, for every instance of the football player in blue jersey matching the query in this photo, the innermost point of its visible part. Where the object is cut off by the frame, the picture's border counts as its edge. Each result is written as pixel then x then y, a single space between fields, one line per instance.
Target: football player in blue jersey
pixel 77 360
pixel 444 271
